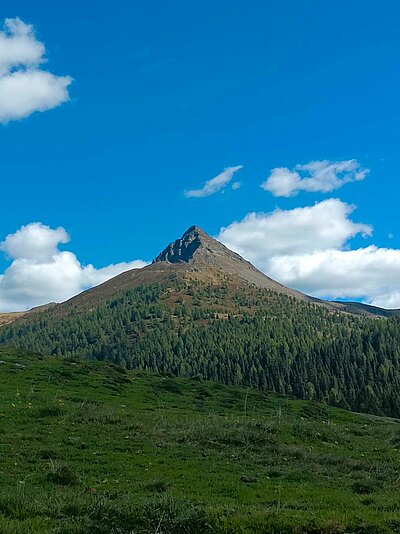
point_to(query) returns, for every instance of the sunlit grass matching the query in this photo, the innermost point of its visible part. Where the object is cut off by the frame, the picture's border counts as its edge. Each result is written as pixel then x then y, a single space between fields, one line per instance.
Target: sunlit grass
pixel 88 448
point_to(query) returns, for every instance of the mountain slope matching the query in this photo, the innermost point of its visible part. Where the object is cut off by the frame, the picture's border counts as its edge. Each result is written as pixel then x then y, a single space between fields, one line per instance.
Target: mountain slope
pixel 241 335
pixel 7 318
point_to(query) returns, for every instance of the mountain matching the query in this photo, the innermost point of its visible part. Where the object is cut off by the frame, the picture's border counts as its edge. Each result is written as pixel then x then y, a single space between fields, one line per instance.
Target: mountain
pixel 208 258
pixel 197 256
pixel 200 310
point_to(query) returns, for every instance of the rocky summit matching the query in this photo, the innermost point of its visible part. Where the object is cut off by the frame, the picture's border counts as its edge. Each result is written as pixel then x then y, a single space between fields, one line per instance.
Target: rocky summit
pixel 207 257
pixel 183 249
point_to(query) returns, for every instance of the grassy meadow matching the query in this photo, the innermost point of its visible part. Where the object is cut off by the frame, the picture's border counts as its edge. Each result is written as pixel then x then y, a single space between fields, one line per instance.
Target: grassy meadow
pixel 87 447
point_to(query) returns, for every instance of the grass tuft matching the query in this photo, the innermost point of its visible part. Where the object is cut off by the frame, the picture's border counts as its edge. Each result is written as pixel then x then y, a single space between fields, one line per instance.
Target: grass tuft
pixel 62 474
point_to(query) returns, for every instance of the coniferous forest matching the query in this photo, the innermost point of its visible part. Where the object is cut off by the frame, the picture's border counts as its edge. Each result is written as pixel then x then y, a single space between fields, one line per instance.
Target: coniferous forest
pixel 248 337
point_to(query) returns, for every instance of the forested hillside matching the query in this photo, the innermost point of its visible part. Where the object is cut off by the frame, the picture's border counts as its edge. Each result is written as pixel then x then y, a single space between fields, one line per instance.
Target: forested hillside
pixel 247 336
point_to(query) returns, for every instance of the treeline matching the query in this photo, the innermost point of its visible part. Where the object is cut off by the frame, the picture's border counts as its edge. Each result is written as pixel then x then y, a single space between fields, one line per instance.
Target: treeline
pixel 253 338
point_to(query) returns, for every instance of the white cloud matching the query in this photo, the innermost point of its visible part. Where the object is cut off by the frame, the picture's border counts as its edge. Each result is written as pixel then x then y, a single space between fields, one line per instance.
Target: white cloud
pixel 24 86
pixel 307 248
pixel 34 242
pixel 315 176
pixel 262 235
pixel 215 184
pixel 41 273
pixel 370 273
pixel 19 46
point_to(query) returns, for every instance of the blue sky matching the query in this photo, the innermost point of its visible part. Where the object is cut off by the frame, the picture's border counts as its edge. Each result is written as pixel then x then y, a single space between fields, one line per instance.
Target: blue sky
pixel 166 95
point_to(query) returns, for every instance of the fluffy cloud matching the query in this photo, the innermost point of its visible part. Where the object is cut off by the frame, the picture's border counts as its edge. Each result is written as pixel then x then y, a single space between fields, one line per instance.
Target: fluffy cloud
pixel 34 242
pixel 24 86
pixel 319 227
pixel 315 176
pixel 41 273
pixel 215 184
pixel 307 248
pixel 370 273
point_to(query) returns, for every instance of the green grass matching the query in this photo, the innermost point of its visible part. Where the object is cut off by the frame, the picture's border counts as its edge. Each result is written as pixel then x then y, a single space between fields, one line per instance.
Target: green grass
pixel 86 447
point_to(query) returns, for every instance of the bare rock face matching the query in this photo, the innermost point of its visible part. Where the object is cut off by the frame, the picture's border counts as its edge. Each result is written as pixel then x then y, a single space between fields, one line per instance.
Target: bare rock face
pixel 197 247
pixel 183 249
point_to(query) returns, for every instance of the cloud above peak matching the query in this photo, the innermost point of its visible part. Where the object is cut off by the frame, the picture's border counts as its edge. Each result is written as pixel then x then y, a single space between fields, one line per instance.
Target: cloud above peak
pixel 24 86
pixel 314 177
pixel 40 273
pixel 215 184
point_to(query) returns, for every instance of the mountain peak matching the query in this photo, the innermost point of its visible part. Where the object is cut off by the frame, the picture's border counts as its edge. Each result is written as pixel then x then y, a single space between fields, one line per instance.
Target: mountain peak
pixel 183 249
pixel 207 258
pixel 194 229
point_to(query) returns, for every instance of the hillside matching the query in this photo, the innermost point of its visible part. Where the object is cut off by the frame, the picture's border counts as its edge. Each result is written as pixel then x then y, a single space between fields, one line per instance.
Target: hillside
pixel 90 448
pixel 244 336
pixel 201 310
